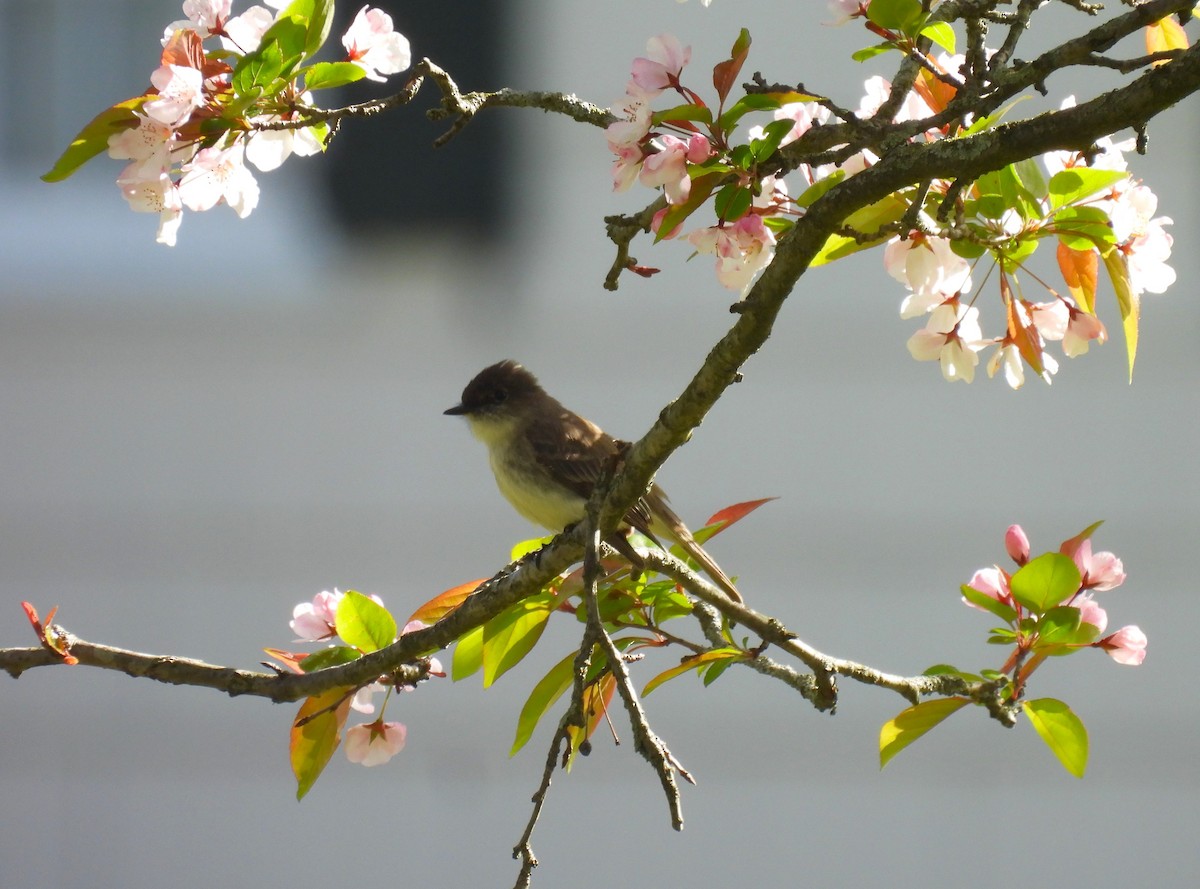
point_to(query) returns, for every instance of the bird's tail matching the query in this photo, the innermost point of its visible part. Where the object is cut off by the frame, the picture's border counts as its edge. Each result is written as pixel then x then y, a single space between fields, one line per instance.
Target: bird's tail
pixel 668 523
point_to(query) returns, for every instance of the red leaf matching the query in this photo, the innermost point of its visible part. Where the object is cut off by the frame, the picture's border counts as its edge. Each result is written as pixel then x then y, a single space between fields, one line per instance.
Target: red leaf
pixel 32 615
pixel 736 512
pixel 725 73
pixel 185 48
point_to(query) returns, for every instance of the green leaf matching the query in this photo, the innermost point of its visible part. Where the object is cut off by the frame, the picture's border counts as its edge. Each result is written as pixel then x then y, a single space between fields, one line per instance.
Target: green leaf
pixel 1084 228
pixel 93 138
pixel 896 15
pixel 1062 731
pixel 319 17
pixel 677 213
pixel 364 624
pixel 869 219
pixel 329 657
pixel 326 75
pixel 549 689
pixel 1128 301
pixel 1059 625
pixel 908 725
pixel 258 70
pixel 1029 172
pixel 682 112
pixel 870 52
pixel 693 662
pixel 468 654
pixel 290 34
pixel 732 202
pixel 950 670
pixel 940 33
pixel 511 635
pixel 773 134
pixel 1043 582
pixel 743 106
pixel 525 547
pixel 1002 610
pixel 819 188
pixel 1077 183
pixel 312 744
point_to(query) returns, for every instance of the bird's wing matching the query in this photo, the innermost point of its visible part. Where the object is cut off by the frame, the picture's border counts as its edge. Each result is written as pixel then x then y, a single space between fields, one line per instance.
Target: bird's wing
pixel 578 453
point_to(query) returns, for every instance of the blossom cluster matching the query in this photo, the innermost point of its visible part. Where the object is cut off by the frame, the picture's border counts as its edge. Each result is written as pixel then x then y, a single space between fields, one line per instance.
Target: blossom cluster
pixel 189 137
pixel 1097 212
pixel 375 742
pixel 1098 572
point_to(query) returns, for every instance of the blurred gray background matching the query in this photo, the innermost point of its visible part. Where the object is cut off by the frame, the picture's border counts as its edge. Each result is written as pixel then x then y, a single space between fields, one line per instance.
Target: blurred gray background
pixel 195 439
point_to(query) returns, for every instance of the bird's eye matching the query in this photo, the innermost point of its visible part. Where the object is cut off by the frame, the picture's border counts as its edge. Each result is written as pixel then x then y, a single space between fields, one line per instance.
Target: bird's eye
pixel 499 395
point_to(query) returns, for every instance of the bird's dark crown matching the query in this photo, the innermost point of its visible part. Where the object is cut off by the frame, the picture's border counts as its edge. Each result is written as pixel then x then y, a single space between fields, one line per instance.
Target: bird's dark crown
pixel 494 386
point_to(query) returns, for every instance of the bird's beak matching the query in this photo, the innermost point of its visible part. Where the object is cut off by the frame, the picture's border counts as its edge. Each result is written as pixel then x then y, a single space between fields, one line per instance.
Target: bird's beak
pixel 456 411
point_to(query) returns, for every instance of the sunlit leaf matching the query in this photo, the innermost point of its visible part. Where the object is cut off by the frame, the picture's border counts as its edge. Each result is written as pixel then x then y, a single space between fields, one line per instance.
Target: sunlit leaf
pixel 870 52
pixel 93 138
pixel 1044 581
pixel 1080 270
pixel 743 106
pixel 511 635
pixel 443 603
pixel 689 112
pixel 327 75
pixel 1128 301
pixel 908 725
pixel 693 662
pixel 363 623
pixel 1075 184
pixel 732 202
pixel 468 654
pixel 702 187
pixel 313 743
pixel 1062 731
pixel 549 689
pixel 1165 34
pixel 1026 339
pixel 896 15
pixel 940 33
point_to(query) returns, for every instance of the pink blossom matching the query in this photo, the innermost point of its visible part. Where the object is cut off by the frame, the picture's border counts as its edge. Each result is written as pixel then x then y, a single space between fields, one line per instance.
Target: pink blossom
pixel 742 249
pixel 180 92
pixel 993 583
pixel 844 10
pixel 149 143
pixel 317 619
pixel 1146 257
pixel 152 191
pixel 217 174
pixel 205 17
pixel 1016 543
pixel 951 336
pixel 1009 358
pixel 373 45
pixel 243 33
pixel 375 743
pixel 1100 571
pixel 930 268
pixel 656 225
pixel 668 166
pixel 1081 329
pixel 1090 612
pixel 659 69
pixel 805 115
pixel 362 701
pixel 1126 646
pixel 1051 319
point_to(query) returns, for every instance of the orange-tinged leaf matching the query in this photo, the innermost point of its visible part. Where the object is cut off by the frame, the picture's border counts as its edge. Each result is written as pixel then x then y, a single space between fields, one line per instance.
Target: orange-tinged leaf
pixel 313 743
pixel 1080 270
pixel 791 96
pixel 1165 34
pixel 694 662
pixel 1127 300
pixel 596 698
pixel 443 603
pixel 1024 338
pixel 32 616
pixel 725 73
pixel 1070 547
pixel 290 659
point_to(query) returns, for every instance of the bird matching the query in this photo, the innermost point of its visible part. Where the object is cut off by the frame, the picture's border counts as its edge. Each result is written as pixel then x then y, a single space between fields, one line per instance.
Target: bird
pixel 547 460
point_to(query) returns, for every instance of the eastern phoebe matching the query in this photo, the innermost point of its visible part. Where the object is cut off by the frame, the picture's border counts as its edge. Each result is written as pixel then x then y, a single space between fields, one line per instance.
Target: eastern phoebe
pixel 547 460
